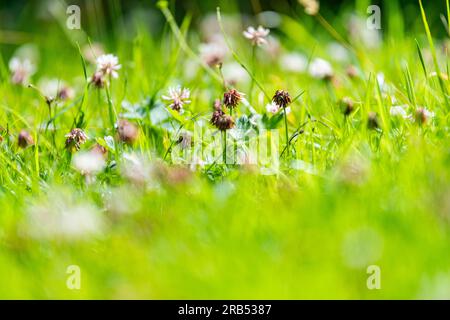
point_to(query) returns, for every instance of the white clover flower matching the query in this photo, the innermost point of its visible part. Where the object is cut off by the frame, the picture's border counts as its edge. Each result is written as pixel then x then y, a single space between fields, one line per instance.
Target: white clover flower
pixel 429 114
pixel 212 53
pixel 293 62
pixel 272 107
pixel 399 111
pixel 108 64
pixel 59 216
pixel 88 163
pixel 234 74
pixel 358 31
pixel 21 70
pixel 136 169
pixel 320 69
pixel 257 36
pixel 56 88
pixel 177 97
pixel 338 52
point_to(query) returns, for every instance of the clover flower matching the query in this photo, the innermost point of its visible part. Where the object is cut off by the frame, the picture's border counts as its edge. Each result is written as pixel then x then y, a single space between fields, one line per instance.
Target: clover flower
pixel 108 65
pixel 257 36
pixel 399 111
pixel 21 70
pixel 232 98
pixel 127 131
pixel 60 216
pixel 24 139
pixel 321 69
pixel 88 163
pixel 422 115
pixel 212 53
pixel 98 80
pixel 177 98
pixel 282 98
pixel 75 139
pixel 219 119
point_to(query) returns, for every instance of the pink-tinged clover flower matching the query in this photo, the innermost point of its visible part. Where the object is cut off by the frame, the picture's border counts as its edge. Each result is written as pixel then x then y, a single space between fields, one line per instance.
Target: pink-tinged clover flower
pixel 177 97
pixel 257 36
pixel 108 65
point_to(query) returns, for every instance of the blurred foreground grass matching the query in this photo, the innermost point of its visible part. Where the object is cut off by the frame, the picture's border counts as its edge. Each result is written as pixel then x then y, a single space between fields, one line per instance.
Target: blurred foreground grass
pixel 349 196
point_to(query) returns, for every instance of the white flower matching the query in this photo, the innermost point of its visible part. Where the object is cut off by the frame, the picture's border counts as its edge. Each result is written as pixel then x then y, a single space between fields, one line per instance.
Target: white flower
pixel 234 74
pixel 272 108
pixel 88 163
pixel 399 111
pixel 108 64
pixel 136 168
pixel 177 97
pixel 59 216
pixel 320 69
pixel 293 62
pixel 256 36
pixel 21 70
pixel 212 53
pixel 338 52
pixel 55 88
pixel 358 31
pixel 429 114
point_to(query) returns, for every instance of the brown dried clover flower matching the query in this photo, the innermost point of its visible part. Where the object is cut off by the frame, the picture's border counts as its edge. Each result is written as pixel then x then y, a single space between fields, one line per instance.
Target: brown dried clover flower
pixel 221 120
pixel 75 138
pixel 232 98
pixel 282 98
pixel 24 139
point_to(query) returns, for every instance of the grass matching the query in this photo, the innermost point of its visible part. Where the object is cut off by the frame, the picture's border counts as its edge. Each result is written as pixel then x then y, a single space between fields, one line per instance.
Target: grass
pixel 346 195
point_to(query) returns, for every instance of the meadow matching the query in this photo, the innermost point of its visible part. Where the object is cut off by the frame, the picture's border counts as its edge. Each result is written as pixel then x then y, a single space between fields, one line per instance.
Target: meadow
pixel 98 199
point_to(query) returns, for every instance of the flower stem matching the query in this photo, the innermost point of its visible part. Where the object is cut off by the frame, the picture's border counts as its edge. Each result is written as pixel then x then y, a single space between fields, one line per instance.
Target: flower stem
pixel 224 153
pixel 286 131
pixel 253 71
pixel 236 57
pixel 112 116
pixel 162 5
